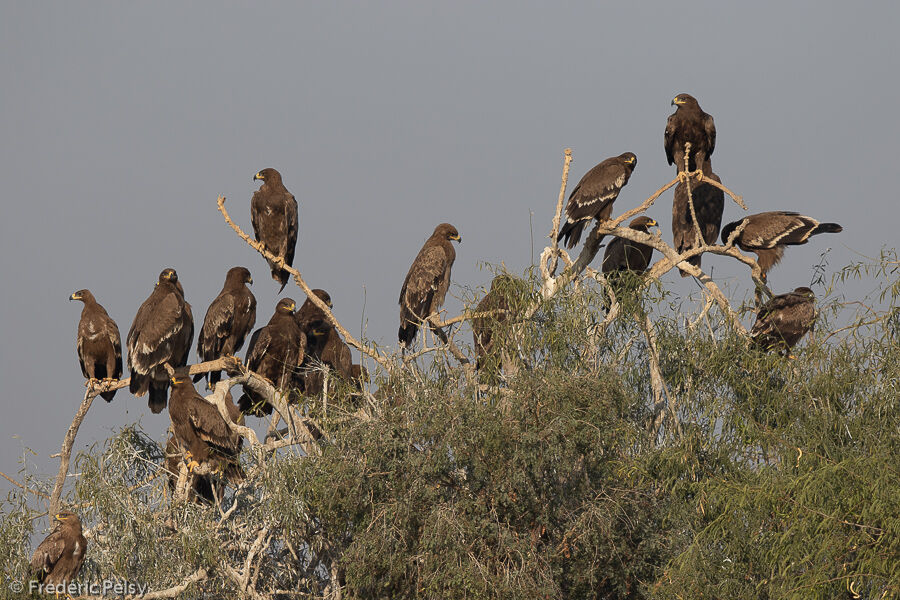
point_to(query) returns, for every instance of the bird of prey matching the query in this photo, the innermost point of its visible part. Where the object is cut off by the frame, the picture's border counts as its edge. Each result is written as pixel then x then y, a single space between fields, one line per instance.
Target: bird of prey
pixel 276 352
pixel 594 195
pixel 626 255
pixel 427 282
pixel 323 345
pixel 229 319
pixel 59 557
pixel 99 343
pixel 162 332
pixel 768 233
pixel 689 124
pixel 709 203
pixel 784 320
pixel 202 431
pixel 485 329
pixel 273 212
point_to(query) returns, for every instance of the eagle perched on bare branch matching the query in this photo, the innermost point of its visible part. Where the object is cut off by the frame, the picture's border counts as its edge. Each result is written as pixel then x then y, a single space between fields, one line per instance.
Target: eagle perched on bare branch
pixel 162 332
pixel 229 319
pixel 427 282
pixel 709 203
pixel 626 255
pixel 273 212
pixel 689 124
pixel 768 233
pixel 594 195
pixel 99 343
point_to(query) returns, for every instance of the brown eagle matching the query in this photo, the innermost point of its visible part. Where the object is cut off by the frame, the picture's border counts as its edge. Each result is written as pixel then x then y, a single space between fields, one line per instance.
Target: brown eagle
pixel 59 557
pixel 323 344
pixel 427 282
pixel 202 431
pixel 784 320
pixel 768 233
pixel 626 255
pixel 276 352
pixel 594 195
pixel 99 343
pixel 229 319
pixel 162 332
pixel 484 329
pixel 273 212
pixel 689 124
pixel 709 203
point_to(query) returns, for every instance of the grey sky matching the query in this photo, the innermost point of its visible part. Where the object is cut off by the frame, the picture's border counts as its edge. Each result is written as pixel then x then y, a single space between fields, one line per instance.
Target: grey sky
pixel 120 120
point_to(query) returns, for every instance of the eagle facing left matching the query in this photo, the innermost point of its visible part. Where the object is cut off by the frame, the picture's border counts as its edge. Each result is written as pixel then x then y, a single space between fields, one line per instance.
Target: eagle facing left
pixel 273 212
pixel 162 332
pixel 99 343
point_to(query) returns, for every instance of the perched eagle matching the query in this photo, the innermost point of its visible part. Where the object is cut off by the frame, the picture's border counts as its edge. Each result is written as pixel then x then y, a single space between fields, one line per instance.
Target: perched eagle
pixel 427 282
pixel 59 557
pixel 689 124
pixel 626 255
pixel 594 195
pixel 784 320
pixel 323 344
pixel 229 319
pixel 273 212
pixel 276 352
pixel 162 332
pixel 202 431
pixel 709 202
pixel 484 329
pixel 768 233
pixel 99 343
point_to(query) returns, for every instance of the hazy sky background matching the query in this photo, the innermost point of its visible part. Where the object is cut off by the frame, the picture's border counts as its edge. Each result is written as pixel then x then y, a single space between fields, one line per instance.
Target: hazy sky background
pixel 121 122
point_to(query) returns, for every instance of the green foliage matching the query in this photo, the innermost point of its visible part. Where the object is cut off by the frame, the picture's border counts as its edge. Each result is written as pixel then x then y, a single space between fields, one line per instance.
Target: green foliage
pixel 770 477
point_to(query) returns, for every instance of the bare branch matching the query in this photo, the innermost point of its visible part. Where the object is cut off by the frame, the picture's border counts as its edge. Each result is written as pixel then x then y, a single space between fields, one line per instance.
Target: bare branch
pixel 554 232
pixel 65 454
pixel 298 279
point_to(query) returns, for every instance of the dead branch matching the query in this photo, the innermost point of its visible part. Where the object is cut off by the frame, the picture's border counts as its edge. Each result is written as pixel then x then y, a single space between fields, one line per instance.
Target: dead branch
pixel 298 279
pixel 172 592
pixel 65 454
pixel 554 232
pixel 20 486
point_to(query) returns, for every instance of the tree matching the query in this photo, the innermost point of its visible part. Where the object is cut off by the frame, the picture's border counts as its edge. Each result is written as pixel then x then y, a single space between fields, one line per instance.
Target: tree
pixel 632 449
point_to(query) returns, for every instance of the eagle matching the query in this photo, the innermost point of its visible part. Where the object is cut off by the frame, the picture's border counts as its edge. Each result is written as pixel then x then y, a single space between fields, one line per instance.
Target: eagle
pixel 162 332
pixel 98 343
pixel 427 282
pixel 484 329
pixel 594 195
pixel 689 124
pixel 59 557
pixel 273 212
pixel 323 344
pixel 228 320
pixel 626 255
pixel 276 352
pixel 709 203
pixel 203 433
pixel 768 233
pixel 784 320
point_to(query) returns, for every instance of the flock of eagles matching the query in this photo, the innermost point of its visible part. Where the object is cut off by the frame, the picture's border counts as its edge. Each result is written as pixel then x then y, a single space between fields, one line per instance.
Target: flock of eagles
pixel 286 349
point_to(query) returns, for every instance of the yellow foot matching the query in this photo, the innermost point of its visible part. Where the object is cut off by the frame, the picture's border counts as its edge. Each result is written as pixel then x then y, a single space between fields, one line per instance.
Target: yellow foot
pixel 193 464
pixel 91 382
